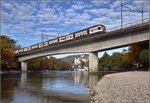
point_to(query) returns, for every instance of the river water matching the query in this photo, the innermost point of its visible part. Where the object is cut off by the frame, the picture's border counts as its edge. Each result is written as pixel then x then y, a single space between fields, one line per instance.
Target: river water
pixel 47 87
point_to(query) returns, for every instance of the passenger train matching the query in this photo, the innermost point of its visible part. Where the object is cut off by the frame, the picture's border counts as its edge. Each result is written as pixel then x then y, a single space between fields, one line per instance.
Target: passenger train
pixel 72 36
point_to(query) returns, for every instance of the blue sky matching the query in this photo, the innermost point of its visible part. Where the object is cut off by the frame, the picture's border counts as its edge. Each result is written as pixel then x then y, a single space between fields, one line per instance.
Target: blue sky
pixel 25 20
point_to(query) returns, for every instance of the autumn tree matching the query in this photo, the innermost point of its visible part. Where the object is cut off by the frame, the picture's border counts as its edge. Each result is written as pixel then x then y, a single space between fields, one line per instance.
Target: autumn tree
pixel 7 55
pixel 34 64
pixel 133 53
pixel 51 63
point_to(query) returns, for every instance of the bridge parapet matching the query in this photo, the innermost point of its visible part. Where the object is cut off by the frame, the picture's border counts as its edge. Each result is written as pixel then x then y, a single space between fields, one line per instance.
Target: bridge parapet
pixel 135 23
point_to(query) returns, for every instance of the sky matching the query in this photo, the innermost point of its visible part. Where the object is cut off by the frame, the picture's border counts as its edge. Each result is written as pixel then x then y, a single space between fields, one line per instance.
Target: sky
pixel 26 20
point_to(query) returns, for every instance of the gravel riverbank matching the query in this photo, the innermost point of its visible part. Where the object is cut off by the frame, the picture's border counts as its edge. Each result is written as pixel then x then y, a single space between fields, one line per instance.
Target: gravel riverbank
pixel 128 87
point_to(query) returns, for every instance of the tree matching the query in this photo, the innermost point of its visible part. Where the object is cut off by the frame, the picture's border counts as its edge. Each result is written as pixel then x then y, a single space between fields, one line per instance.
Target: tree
pixel 144 57
pixel 7 55
pixel 125 63
pixel 82 64
pixel 116 60
pixel 48 63
pixel 34 64
pixel 133 53
pixel 136 58
pixel 104 62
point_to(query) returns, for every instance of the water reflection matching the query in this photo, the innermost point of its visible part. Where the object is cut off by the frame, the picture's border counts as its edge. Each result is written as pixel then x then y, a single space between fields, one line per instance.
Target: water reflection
pixel 23 79
pixel 46 87
pixel 9 83
pixel 81 78
pixel 93 79
pixel 6 91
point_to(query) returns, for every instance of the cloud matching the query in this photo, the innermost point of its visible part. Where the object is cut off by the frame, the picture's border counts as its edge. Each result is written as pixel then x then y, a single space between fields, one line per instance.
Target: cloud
pixel 70 12
pixel 114 14
pixel 100 2
pixel 7 5
pixel 5 14
pixel 116 4
pixel 47 18
pixel 30 19
pixel 79 5
pixel 99 11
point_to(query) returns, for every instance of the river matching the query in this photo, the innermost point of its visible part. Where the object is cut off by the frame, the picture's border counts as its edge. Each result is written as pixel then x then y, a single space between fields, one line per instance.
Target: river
pixel 47 86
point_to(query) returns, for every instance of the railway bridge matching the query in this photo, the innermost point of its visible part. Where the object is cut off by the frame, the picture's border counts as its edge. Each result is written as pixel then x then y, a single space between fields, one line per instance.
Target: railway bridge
pixel 136 32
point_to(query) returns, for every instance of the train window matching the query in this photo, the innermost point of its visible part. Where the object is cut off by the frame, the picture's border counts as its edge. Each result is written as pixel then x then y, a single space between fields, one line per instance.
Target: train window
pixel 99 28
pixel 62 38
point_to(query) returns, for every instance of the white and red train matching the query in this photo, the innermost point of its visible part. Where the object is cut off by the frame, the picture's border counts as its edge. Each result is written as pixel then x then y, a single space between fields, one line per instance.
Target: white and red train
pixel 72 36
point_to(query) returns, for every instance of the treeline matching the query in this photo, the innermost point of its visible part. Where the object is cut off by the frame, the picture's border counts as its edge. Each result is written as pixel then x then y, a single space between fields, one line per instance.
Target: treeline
pixel 136 58
pixel 44 63
pixel 9 62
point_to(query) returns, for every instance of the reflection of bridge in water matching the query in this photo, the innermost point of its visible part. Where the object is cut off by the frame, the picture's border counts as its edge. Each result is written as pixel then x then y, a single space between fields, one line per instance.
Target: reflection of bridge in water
pixel 77 78
pixel 64 84
pixel 83 78
pixel 80 78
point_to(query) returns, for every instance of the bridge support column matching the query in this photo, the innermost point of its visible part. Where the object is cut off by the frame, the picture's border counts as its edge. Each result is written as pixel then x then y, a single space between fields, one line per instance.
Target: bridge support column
pixel 93 62
pixel 23 66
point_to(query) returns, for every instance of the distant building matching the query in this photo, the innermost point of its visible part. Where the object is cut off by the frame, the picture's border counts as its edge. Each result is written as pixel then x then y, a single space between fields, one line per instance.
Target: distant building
pixel 77 61
pixel 81 62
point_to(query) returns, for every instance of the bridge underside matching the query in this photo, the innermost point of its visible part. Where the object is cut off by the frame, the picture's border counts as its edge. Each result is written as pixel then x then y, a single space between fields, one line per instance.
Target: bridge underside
pixel 93 63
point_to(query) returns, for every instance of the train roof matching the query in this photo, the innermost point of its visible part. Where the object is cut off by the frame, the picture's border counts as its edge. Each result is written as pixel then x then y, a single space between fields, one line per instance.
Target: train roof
pixel 64 35
pixel 88 28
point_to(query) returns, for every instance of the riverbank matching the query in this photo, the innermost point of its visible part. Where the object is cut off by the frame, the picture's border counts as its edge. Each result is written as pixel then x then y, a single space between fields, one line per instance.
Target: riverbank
pixel 129 87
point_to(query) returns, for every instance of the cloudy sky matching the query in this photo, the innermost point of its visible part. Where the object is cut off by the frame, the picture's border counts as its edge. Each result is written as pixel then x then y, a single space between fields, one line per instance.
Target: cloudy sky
pixel 25 20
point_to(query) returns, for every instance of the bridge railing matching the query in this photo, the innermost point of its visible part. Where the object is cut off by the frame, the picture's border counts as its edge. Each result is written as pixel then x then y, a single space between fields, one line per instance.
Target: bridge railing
pixel 128 25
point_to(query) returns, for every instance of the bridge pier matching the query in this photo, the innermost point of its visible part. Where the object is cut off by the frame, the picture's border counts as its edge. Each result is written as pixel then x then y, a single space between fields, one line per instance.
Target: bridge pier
pixel 23 66
pixel 93 62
